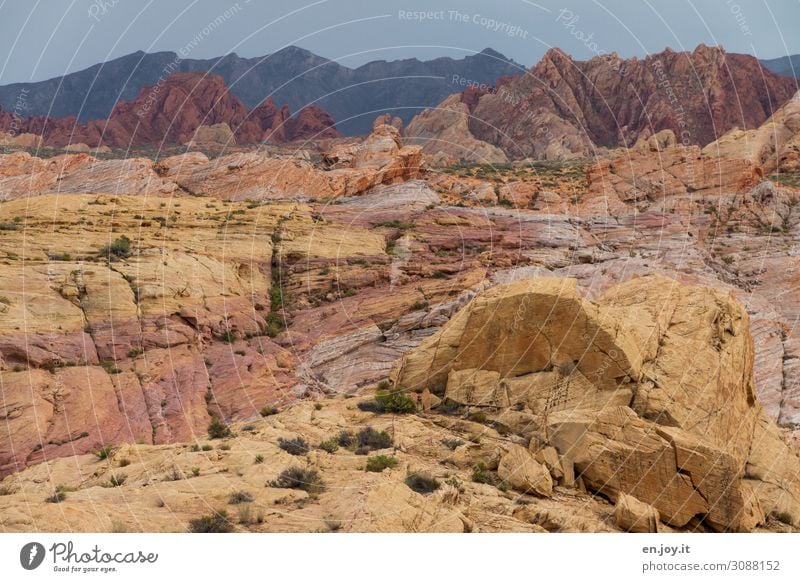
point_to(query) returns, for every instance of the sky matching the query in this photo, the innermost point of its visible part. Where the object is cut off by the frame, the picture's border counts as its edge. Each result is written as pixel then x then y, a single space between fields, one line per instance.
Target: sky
pixel 40 39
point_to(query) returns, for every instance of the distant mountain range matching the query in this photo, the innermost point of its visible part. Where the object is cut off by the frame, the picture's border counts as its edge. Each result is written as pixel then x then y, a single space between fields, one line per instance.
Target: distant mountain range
pixel 292 76
pixel 788 66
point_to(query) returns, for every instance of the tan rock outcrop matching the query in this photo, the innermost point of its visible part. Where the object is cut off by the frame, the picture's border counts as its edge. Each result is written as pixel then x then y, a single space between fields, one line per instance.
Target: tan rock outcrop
pixel 647 392
pixel 632 515
pixel 444 134
pixel 522 472
pixel 774 146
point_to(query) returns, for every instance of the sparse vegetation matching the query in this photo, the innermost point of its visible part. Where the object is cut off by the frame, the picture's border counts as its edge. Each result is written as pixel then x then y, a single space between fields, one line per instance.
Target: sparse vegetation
pixel 269 411
pixel 481 474
pixel 422 483
pixel 240 497
pixel 298 478
pixel 117 480
pixel 452 444
pixel 227 336
pixel 218 429
pixel 379 463
pixel 105 452
pixel 784 517
pixel 57 497
pixel 217 522
pixel 120 248
pixel 258 459
pixel 296 446
pixel 330 446
pixel 368 439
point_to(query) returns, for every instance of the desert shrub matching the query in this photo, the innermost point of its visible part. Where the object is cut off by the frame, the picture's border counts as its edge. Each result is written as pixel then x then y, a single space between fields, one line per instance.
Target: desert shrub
pixel 206 448
pixel 195 471
pixel 259 459
pixel 227 336
pixel 452 444
pixel 56 497
pixel 370 439
pixel 299 478
pixel 397 402
pixel 477 416
pixel 480 474
pixel 215 523
pixel 269 411
pixel 240 497
pixel 422 483
pixel 117 480
pixel 218 429
pixel 371 406
pixel 120 248
pixel 784 517
pixel 296 446
pixel 105 452
pixel 378 463
pixel 346 439
pixel 249 517
pixel 330 445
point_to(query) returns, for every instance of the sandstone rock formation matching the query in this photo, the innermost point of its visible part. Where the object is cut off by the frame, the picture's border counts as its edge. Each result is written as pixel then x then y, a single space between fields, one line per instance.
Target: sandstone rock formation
pixel 675 173
pixel 444 133
pixel 647 392
pixel 773 146
pixel 563 108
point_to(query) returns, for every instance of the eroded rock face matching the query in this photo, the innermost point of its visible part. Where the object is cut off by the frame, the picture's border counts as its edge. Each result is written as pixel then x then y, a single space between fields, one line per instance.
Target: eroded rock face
pixel 611 102
pixel 774 146
pixel 444 134
pixel 648 392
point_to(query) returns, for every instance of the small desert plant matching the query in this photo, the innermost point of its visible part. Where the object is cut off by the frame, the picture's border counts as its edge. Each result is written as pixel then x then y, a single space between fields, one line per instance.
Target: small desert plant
pixel 299 478
pixel 248 517
pixel 369 439
pixel 296 446
pixel 421 483
pixel 117 480
pixel 195 471
pixel 480 474
pixel 259 459
pixel 396 402
pixel 124 462
pixel 105 452
pixel 227 337
pixel 784 517
pixel 56 497
pixel 346 439
pixel 120 248
pixel 215 523
pixel 206 448
pixel 330 445
pixel 240 497
pixel 452 444
pixel 378 463
pixel 269 411
pixel 477 416
pixel 218 429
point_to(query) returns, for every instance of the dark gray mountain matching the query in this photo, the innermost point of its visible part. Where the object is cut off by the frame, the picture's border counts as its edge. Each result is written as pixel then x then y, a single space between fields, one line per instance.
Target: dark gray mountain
pixel 788 66
pixel 293 76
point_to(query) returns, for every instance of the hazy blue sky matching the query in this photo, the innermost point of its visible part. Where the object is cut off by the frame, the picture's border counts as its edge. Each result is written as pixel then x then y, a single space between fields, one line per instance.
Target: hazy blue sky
pixel 45 38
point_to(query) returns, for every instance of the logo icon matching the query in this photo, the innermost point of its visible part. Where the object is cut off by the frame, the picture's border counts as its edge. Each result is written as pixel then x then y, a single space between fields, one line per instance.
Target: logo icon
pixel 31 555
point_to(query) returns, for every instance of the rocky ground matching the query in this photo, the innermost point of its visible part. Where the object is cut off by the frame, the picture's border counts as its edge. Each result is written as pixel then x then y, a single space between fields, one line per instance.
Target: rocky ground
pixel 141 299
